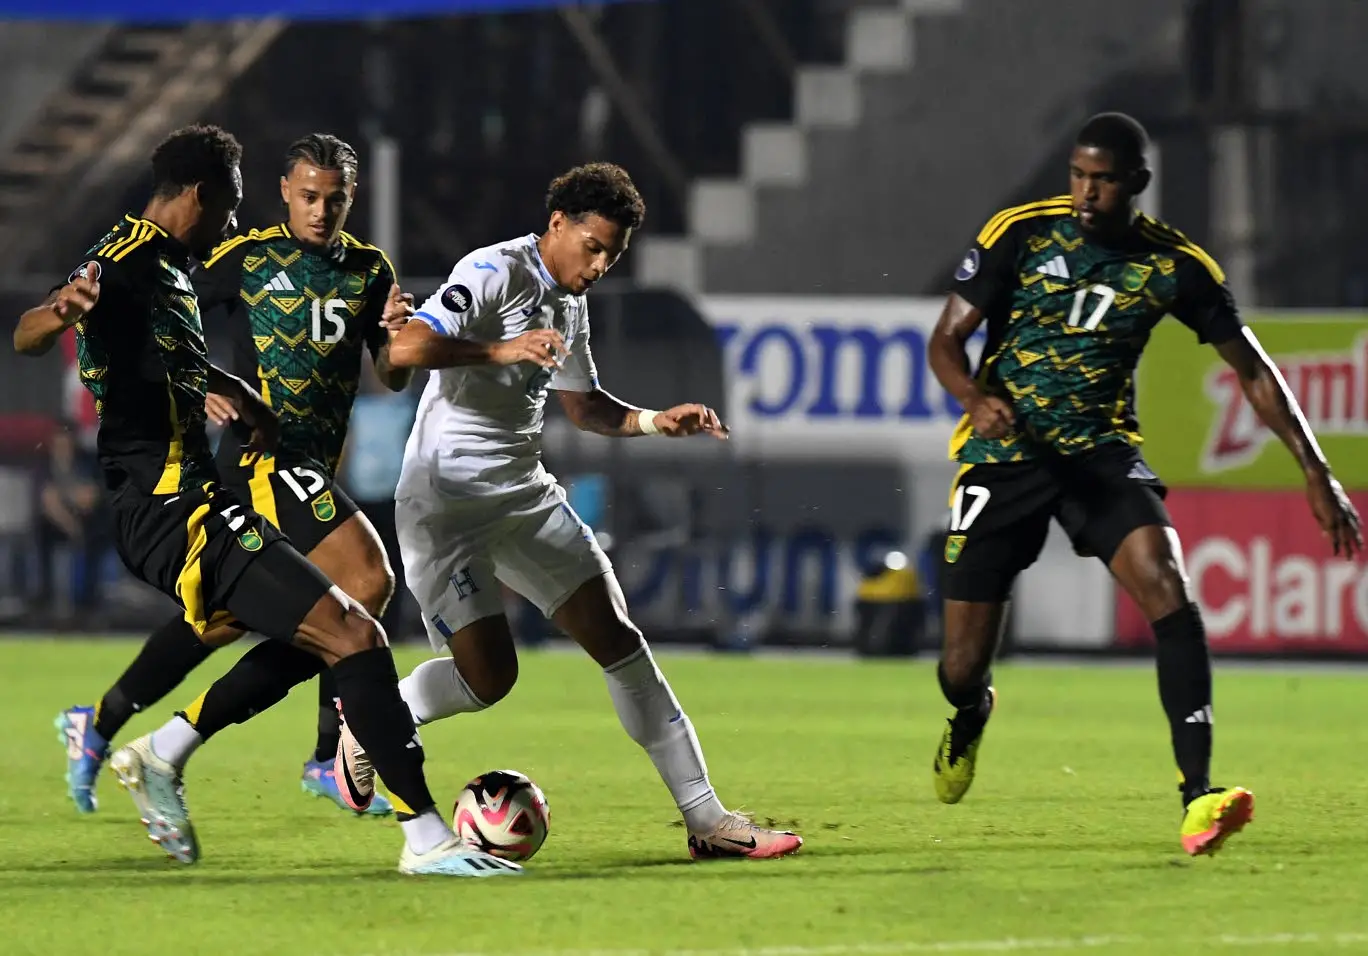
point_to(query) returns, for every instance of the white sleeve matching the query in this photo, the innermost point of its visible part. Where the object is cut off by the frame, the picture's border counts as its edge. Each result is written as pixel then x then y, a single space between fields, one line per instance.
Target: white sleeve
pixel 476 287
pixel 577 373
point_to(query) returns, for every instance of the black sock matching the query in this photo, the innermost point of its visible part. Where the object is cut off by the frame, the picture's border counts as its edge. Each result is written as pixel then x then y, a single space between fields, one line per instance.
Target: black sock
pixel 167 658
pixel 974 697
pixel 369 687
pixel 260 680
pixel 329 724
pixel 1184 666
pixel 972 706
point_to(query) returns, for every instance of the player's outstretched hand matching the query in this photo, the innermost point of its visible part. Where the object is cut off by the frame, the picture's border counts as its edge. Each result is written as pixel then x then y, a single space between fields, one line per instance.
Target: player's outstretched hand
pixel 545 347
pixel 991 417
pixel 233 401
pixel 1336 514
pixel 78 296
pixel 691 419
pixel 264 424
pixel 219 409
pixel 398 309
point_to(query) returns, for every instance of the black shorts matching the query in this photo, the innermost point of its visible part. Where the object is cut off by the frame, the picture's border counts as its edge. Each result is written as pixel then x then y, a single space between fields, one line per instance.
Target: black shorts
pixel 300 499
pixel 217 558
pixel 1000 514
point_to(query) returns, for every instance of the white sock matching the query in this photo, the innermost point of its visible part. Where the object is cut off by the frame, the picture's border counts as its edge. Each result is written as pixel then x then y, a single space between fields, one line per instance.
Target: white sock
pixel 652 717
pixel 435 690
pixel 175 741
pixel 426 832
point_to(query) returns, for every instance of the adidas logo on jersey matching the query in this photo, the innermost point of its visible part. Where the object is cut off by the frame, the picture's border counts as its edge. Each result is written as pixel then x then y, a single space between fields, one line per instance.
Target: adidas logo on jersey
pixel 1056 267
pixel 281 283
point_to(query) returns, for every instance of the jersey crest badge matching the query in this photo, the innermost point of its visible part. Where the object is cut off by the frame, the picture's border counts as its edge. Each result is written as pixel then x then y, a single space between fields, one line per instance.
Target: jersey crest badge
pixel 250 541
pixel 1135 277
pixel 954 546
pixel 324 508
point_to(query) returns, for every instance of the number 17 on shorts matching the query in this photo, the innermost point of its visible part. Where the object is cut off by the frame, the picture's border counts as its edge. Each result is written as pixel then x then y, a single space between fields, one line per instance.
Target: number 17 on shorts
pixel 966 505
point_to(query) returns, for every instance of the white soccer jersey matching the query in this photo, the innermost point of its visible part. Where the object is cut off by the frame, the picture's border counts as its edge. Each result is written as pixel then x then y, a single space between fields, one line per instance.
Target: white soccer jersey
pixel 477 433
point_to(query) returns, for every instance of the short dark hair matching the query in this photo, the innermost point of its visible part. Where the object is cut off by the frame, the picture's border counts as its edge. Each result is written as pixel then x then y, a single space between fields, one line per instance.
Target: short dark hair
pixel 602 189
pixel 325 151
pixel 190 155
pixel 1119 134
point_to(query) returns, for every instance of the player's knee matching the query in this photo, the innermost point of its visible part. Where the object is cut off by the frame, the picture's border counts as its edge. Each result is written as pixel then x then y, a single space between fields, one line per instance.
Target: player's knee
pixel 1159 586
pixel 493 683
pixel 374 588
pixel 353 629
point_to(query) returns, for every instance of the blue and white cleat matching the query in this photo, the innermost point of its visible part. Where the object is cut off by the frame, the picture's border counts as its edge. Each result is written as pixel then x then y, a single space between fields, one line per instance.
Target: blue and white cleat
pixel 320 779
pixel 86 753
pixel 454 858
pixel 159 795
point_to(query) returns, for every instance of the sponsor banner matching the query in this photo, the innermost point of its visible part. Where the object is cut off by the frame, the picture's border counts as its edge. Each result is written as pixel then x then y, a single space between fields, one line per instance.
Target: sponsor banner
pixel 1264 576
pixel 837 377
pixel 1200 430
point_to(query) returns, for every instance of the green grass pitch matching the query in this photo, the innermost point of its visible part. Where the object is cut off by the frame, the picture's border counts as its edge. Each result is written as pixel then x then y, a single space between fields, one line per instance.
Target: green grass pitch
pixel 1068 842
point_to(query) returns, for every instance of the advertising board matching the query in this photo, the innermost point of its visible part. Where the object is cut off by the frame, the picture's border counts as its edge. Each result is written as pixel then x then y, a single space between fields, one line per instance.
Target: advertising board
pixel 1201 431
pixel 1264 576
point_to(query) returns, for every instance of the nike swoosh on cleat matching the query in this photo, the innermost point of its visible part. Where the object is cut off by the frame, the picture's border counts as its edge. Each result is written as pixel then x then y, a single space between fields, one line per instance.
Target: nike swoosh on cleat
pixel 744 845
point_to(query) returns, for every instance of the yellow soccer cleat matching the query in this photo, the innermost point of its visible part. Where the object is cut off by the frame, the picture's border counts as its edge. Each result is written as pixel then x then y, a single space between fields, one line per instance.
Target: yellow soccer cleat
pixel 953 770
pixel 1213 817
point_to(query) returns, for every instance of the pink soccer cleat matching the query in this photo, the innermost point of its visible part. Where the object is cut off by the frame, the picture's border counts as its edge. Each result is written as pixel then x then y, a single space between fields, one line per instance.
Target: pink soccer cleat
pixel 737 836
pixel 353 770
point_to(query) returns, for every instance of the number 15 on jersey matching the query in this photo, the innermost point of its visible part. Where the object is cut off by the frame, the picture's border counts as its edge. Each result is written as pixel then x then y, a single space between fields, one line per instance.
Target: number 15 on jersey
pixel 327 321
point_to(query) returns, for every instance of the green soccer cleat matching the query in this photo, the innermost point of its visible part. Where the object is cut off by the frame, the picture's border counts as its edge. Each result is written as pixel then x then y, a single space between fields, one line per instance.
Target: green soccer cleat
pixel 1213 818
pixel 953 770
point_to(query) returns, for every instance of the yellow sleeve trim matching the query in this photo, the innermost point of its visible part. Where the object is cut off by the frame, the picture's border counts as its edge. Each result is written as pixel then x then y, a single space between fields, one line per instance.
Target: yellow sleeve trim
pixel 1165 234
pixel 352 242
pixel 255 235
pixel 993 230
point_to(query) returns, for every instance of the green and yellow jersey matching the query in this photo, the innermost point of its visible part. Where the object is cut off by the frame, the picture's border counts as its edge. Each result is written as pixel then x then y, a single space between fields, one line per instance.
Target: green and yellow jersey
pixel 299 318
pixel 142 355
pixel 1067 318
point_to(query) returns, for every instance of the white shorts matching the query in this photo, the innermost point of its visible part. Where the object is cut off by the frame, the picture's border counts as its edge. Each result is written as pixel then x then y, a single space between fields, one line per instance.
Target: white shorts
pixel 455 554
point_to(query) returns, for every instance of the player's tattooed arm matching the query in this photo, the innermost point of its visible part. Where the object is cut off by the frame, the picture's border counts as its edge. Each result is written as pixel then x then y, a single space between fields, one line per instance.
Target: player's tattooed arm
pixel 604 414
pixel 418 345
pixel 43 324
pixel 392 377
pixel 1277 408
pixel 599 412
pixel 398 310
pixel 949 359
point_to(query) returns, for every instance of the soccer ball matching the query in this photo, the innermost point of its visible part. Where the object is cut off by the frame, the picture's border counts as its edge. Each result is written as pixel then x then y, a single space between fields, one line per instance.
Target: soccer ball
pixel 503 813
